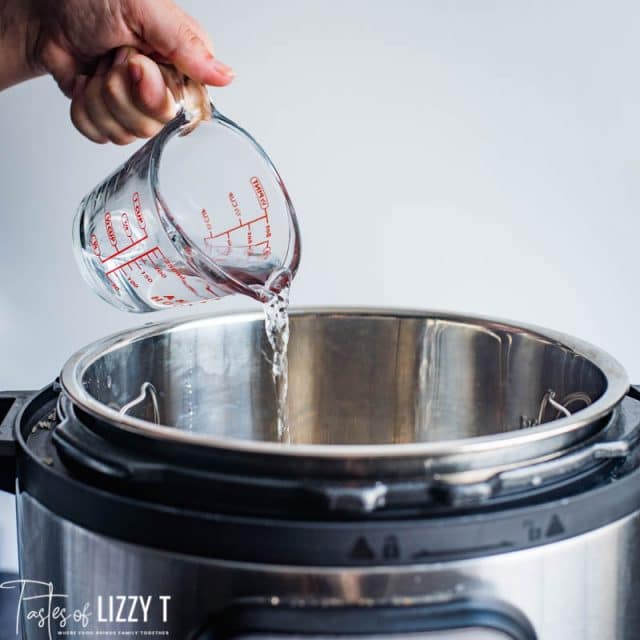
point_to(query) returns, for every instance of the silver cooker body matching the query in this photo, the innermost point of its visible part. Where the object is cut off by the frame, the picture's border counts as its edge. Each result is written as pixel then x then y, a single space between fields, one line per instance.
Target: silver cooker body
pixel 586 587
pixel 375 396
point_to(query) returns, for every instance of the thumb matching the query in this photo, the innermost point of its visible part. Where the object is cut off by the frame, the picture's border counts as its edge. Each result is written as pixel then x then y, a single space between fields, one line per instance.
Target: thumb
pixel 170 32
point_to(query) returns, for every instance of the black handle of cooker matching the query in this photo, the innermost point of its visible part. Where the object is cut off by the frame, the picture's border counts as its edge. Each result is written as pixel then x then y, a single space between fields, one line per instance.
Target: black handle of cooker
pixel 256 620
pixel 634 391
pixel 11 402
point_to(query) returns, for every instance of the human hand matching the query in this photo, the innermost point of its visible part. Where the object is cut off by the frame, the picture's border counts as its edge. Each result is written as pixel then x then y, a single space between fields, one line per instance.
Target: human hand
pixel 70 38
pixel 130 96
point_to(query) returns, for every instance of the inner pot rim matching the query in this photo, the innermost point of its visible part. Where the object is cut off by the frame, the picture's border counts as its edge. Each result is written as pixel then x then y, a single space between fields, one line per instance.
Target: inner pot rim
pixel 549 437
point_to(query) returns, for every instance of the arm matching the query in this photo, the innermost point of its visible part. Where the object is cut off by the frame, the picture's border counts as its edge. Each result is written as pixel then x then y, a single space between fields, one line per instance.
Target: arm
pixel 14 66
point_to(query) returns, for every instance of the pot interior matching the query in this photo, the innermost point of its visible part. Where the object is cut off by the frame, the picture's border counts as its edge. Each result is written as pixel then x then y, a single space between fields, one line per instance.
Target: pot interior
pixel 354 378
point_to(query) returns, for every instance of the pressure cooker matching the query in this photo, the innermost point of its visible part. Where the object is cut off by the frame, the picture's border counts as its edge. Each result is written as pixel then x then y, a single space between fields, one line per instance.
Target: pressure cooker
pixel 448 477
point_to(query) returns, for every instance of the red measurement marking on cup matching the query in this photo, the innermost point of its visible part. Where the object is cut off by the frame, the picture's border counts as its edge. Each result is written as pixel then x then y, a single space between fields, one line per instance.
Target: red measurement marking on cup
pixel 145 275
pixel 242 225
pixel 95 244
pixel 261 194
pixel 142 261
pixel 168 301
pixel 207 221
pixel 111 234
pixel 235 206
pixel 208 289
pixel 137 208
pixel 251 233
pixel 265 252
pixel 126 227
pixel 135 260
pixel 120 251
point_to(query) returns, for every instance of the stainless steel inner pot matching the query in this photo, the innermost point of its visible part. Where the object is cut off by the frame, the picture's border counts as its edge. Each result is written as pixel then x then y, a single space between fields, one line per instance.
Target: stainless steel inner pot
pixel 362 383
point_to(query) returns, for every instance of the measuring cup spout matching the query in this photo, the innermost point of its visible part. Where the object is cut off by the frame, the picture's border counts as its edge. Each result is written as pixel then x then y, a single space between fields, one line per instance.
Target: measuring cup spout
pixel 280 280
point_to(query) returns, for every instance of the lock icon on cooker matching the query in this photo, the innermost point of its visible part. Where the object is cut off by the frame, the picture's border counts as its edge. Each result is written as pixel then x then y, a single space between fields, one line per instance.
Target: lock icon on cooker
pixel 391 548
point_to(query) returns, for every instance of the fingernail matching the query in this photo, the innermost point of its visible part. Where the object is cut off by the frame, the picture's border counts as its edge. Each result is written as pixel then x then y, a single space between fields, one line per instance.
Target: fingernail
pixel 121 55
pixel 223 68
pixel 135 70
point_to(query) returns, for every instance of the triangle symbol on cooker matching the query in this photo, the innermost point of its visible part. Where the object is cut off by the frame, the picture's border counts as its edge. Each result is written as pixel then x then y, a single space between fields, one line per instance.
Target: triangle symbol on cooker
pixel 555 527
pixel 361 550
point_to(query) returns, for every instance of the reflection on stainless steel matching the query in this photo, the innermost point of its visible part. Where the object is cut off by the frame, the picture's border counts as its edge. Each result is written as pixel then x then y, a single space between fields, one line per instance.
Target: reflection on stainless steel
pixel 585 587
pixel 582 399
pixel 146 389
pixel 359 381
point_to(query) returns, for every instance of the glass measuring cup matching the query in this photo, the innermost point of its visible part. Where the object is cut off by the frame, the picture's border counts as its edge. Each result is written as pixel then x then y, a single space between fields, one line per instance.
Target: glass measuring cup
pixel 194 215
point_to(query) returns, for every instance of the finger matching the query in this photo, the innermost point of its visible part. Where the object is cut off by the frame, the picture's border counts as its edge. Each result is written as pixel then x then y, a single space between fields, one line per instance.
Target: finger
pixel 103 66
pixel 176 36
pixel 100 116
pixel 117 96
pixel 79 115
pixel 149 90
pixel 61 65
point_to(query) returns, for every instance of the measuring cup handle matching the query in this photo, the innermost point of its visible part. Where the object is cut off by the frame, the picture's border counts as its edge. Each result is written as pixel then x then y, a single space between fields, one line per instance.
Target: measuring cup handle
pixel 192 97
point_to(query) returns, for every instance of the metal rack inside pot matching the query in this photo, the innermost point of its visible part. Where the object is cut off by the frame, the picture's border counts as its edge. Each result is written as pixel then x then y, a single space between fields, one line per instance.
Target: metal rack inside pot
pixel 213 482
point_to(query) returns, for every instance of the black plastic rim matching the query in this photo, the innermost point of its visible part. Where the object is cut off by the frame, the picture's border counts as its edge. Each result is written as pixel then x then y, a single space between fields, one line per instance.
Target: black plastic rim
pixel 312 542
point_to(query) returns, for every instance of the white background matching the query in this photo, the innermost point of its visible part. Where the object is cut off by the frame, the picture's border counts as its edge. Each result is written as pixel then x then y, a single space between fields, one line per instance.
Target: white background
pixel 470 155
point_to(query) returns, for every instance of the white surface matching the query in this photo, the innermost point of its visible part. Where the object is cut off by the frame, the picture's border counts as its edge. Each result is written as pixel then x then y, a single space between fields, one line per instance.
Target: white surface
pixel 475 156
